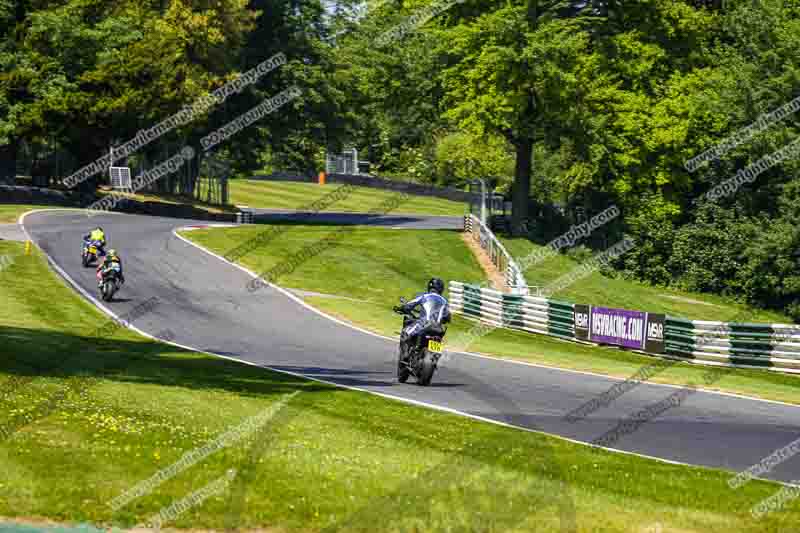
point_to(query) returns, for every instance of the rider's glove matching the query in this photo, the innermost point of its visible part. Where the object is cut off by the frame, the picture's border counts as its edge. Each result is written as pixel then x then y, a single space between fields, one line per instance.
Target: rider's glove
pixel 398 308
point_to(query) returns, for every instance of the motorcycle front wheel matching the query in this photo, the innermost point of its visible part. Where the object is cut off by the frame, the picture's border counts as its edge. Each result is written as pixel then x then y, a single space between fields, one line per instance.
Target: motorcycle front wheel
pixel 107 290
pixel 402 368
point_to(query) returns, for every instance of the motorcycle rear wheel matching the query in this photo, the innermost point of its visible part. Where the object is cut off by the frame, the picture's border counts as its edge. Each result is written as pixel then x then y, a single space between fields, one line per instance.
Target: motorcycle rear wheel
pixel 427 365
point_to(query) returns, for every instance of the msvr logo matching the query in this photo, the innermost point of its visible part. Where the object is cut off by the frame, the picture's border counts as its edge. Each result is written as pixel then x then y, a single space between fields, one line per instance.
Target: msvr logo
pixel 655 330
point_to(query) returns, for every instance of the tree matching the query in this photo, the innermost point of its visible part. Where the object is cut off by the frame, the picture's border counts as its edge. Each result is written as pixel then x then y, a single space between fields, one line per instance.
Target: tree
pixel 506 74
pixel 393 93
pixel 88 72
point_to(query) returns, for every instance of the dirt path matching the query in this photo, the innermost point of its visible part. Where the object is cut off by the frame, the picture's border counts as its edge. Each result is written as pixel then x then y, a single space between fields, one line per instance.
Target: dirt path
pixel 497 279
pixel 688 300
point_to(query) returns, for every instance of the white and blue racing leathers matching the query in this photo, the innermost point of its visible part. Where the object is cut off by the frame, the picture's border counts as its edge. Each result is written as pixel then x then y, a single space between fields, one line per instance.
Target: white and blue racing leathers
pixel 433 308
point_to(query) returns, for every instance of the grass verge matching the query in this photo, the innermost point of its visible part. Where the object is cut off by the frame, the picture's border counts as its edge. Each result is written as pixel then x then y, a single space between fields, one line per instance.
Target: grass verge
pixel 9 213
pixel 376 265
pixel 289 195
pixel 331 460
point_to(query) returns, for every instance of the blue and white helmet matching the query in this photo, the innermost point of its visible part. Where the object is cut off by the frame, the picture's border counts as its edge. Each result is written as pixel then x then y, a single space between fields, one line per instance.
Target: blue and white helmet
pixel 436 285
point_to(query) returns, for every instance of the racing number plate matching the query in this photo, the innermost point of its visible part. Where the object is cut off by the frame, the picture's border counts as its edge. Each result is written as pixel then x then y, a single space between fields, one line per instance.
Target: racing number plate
pixel 434 346
pixel 92 250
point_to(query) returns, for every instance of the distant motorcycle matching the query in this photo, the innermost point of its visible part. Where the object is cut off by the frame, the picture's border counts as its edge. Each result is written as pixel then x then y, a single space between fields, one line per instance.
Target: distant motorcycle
pixel 110 281
pixel 423 352
pixel 91 251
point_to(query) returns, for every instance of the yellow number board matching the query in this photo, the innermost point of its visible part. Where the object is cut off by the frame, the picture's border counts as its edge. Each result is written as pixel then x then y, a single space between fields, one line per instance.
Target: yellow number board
pixel 434 346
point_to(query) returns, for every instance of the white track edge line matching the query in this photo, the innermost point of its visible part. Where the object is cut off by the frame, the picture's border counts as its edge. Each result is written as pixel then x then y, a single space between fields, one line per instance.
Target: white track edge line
pixel 472 354
pixel 277 288
pixel 411 401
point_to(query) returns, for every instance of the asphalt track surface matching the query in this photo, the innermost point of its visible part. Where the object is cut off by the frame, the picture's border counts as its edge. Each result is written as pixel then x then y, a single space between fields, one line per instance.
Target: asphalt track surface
pixel 205 303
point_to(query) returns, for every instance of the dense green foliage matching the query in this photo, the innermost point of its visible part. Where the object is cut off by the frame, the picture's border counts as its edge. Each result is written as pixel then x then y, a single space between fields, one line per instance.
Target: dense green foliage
pixel 84 74
pixel 576 104
pixel 614 102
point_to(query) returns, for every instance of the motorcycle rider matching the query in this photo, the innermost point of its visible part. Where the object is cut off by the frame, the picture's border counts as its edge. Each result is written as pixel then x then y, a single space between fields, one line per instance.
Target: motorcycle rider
pixel 109 260
pixel 433 306
pixel 97 235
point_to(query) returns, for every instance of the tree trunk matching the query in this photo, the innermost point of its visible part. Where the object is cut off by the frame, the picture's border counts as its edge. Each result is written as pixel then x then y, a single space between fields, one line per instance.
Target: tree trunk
pixel 8 162
pixel 520 192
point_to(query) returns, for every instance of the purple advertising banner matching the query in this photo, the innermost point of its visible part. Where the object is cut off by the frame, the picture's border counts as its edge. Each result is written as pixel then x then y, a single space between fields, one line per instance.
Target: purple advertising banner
pixel 618 326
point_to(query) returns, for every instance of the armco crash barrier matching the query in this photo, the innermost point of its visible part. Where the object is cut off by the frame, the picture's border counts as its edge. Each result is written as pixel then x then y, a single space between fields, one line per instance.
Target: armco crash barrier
pixel 774 346
pixel 528 313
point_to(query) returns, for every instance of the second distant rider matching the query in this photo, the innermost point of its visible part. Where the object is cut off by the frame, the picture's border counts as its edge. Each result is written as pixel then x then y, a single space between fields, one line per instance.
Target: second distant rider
pixel 108 263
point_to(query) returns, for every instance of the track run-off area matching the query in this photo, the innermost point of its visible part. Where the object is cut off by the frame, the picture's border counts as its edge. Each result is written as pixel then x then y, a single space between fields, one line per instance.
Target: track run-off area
pixel 205 302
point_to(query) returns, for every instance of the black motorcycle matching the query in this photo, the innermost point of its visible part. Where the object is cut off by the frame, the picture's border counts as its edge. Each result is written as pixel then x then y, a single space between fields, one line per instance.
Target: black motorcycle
pixel 421 354
pixel 110 281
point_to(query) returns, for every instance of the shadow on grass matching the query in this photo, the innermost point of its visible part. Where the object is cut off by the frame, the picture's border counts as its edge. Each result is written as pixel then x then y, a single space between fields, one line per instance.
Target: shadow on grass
pixel 29 354
pixel 178 210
